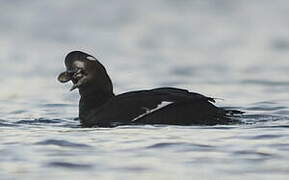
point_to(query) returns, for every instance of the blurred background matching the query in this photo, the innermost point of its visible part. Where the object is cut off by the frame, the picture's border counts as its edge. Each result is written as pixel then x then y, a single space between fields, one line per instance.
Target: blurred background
pixel 223 48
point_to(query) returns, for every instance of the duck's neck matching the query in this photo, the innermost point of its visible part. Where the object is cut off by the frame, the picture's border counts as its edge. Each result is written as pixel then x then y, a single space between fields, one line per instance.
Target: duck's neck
pixel 95 93
pixel 91 99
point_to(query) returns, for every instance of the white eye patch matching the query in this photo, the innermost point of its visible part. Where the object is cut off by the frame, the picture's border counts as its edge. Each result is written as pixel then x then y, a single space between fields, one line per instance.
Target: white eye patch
pixel 79 64
pixel 90 58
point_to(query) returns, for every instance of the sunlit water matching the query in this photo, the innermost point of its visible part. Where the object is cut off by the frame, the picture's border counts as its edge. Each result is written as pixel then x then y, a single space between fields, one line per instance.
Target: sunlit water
pixel 237 51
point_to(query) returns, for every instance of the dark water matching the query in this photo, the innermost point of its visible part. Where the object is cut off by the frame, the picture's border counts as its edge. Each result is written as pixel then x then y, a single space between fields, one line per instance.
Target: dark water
pixel 234 50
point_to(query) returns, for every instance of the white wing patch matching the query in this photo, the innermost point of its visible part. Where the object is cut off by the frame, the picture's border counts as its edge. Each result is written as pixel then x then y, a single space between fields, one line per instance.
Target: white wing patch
pixel 90 58
pixel 148 111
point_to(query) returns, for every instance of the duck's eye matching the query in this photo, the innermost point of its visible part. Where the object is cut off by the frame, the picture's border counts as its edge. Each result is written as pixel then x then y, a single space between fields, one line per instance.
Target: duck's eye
pixel 82 71
pixel 79 71
pixel 78 74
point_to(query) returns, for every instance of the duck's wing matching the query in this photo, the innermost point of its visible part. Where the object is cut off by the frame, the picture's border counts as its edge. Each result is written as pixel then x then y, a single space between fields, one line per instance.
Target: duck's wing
pixel 168 93
pixel 134 107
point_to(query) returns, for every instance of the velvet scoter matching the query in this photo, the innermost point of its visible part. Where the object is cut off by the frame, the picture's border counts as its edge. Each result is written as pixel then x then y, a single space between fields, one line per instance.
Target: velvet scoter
pixel 100 107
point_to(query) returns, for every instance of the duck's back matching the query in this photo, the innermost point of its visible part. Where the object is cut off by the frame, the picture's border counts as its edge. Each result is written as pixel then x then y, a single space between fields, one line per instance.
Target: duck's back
pixel 157 106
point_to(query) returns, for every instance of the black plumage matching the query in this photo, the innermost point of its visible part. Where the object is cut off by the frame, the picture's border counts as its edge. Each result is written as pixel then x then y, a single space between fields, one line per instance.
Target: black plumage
pixel 98 106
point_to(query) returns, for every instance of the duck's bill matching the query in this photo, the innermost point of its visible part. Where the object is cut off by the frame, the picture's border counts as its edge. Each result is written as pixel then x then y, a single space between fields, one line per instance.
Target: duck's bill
pixel 65 77
pixel 68 76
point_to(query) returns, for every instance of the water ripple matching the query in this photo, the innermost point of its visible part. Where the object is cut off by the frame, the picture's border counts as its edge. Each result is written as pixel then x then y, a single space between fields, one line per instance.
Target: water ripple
pixel 4 123
pixel 40 120
pixel 267 136
pixel 62 143
pixel 182 146
pixel 65 122
pixel 246 152
pixel 70 165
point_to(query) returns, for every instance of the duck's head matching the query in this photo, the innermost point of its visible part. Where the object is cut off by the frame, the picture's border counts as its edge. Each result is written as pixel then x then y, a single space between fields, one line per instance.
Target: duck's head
pixel 86 73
